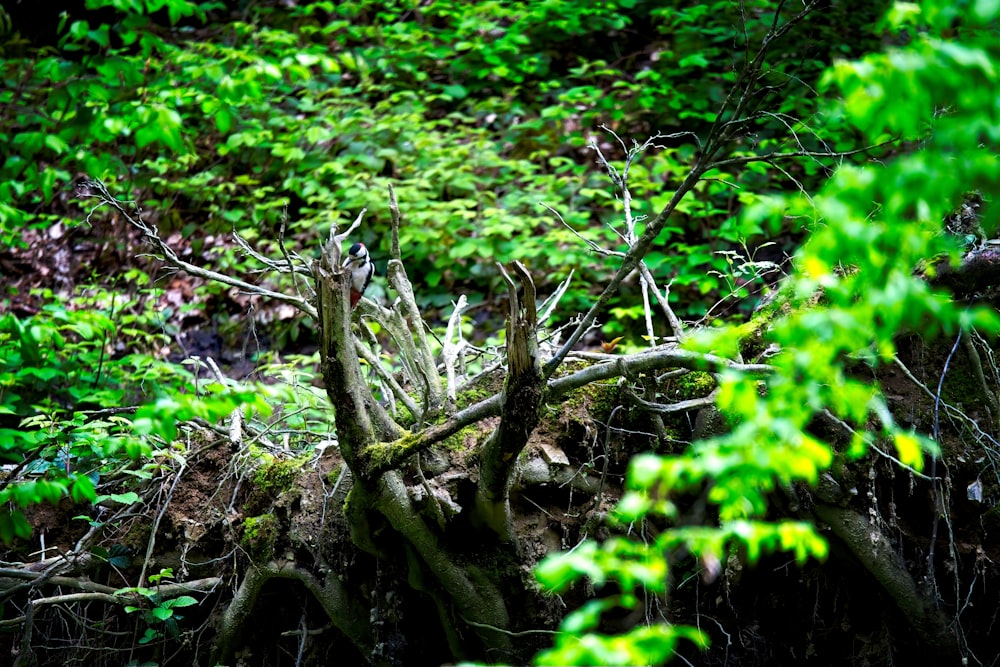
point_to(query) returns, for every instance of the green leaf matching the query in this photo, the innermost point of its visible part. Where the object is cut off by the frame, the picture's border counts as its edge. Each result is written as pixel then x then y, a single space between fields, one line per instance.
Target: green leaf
pixel 162 613
pixel 127 498
pixel 182 601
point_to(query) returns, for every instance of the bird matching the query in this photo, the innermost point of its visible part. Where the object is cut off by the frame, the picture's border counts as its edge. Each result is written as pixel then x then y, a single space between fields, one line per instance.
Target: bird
pixel 362 269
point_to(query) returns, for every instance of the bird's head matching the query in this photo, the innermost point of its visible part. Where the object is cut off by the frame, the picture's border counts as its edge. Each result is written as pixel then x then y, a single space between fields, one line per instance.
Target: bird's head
pixel 356 255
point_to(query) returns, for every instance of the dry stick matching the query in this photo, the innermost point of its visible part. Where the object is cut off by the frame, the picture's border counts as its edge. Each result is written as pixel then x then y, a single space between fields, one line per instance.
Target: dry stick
pixel 156 523
pixel 287 267
pixel 88 586
pixel 452 350
pixel 401 283
pixel 771 157
pixel 621 181
pixel 304 268
pixel 935 499
pixel 662 300
pixel 368 347
pixel 607 458
pixel 647 309
pixel 304 629
pixel 549 305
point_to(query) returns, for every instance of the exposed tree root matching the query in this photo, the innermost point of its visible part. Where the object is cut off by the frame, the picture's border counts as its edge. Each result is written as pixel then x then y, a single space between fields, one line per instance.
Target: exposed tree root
pixel 873 550
pixel 475 597
pixel 345 613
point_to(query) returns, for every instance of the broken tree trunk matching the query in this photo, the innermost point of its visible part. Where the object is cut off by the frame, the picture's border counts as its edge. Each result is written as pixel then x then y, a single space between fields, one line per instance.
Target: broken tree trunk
pixel 522 396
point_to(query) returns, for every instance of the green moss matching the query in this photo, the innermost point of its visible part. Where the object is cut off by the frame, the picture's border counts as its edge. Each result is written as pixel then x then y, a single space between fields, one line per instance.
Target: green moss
pixel 486 387
pixel 457 442
pixel 278 475
pixel 334 474
pixel 752 334
pixel 598 399
pixel 472 396
pixel 380 455
pixel 272 479
pixel 696 384
pixel 260 534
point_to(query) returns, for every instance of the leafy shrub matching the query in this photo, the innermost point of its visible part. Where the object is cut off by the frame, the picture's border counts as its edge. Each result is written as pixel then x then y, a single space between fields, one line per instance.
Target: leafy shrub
pixel 319 107
pixel 70 381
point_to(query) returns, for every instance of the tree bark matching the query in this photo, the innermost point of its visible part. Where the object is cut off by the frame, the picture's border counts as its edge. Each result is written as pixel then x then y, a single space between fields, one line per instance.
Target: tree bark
pixel 522 396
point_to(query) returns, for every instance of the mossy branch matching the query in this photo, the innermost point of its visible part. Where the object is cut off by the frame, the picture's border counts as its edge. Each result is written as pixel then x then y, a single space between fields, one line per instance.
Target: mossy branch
pixel 393 454
pixel 345 386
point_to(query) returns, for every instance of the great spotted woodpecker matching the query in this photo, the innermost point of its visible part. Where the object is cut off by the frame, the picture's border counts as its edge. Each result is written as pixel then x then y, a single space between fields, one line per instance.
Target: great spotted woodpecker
pixel 362 269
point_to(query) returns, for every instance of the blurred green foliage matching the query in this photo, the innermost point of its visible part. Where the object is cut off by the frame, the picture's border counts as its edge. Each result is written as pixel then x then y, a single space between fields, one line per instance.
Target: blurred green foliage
pixel 873 227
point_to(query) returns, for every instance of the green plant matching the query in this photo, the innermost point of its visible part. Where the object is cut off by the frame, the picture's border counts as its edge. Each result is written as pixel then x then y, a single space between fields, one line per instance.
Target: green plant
pixel 873 227
pixel 159 613
pixel 59 389
pixel 74 403
pixel 308 113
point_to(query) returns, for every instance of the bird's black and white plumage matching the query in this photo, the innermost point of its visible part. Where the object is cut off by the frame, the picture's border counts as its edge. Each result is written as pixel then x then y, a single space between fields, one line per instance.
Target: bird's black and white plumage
pixel 360 264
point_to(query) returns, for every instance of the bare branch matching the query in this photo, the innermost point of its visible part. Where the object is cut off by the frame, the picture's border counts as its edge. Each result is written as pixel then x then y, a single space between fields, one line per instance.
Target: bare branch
pixel 679 406
pixel 549 305
pixel 773 157
pixel 407 304
pixel 453 345
pixel 394 453
pixel 661 299
pixel 593 246
pixel 97 190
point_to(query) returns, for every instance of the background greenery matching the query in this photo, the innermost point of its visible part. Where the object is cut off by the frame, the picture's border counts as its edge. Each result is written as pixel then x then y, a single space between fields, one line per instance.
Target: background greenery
pixel 218 117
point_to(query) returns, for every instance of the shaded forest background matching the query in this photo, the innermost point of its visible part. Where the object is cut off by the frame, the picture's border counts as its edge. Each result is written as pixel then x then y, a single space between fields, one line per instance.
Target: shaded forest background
pixel 243 132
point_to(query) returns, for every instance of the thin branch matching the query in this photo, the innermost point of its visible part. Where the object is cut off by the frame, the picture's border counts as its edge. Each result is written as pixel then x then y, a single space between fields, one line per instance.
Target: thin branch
pixel 453 345
pixel 392 454
pixel 97 190
pixel 680 406
pixel 772 157
pixel 662 300
pixel 159 517
pixel 591 244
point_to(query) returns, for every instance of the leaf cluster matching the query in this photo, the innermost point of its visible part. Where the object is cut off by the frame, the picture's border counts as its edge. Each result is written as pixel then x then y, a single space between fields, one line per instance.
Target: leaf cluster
pixel 315 108
pixel 859 282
